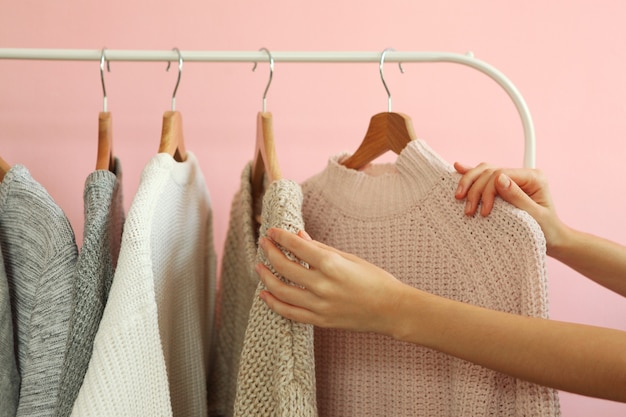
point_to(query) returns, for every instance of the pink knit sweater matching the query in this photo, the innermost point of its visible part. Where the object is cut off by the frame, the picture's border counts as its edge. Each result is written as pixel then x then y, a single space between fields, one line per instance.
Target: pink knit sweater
pixel 404 218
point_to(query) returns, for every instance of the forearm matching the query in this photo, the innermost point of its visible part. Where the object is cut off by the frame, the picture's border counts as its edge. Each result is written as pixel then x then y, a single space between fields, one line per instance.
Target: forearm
pixel 582 359
pixel 598 259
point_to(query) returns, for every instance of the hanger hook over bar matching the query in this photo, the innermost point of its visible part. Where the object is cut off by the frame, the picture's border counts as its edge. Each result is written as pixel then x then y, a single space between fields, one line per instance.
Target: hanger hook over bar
pixel 382 77
pixel 180 71
pixel 103 59
pixel 267 87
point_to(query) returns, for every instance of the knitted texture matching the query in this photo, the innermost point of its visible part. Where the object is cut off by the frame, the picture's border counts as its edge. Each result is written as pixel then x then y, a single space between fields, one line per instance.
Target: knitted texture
pixel 40 254
pixel 404 218
pixel 9 377
pixel 151 351
pixel 238 282
pixel 277 370
pixel 104 218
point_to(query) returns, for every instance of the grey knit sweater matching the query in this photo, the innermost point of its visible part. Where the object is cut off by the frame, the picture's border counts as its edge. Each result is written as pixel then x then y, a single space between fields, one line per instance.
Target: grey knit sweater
pixel 9 377
pixel 104 219
pixel 40 255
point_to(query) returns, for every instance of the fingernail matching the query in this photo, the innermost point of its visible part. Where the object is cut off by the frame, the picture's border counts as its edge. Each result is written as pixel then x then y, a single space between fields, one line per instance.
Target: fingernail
pixel 264 243
pixel 258 268
pixel 304 234
pixel 504 181
pixel 459 190
pixel 468 207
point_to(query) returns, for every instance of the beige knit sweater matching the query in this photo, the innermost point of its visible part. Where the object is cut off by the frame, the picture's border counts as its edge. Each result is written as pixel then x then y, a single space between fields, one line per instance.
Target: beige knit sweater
pixel 264 363
pixel 404 218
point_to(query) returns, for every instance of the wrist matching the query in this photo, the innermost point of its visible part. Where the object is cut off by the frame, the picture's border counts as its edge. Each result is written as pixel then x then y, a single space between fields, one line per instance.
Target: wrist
pixel 559 243
pixel 414 317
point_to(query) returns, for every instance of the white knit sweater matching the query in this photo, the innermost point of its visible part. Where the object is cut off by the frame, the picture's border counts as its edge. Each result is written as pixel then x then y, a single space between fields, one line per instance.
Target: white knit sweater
pixel 404 218
pixel 151 351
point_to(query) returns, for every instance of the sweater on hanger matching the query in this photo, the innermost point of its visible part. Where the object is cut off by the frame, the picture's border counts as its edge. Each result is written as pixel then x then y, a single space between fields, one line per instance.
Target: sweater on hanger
pixel 277 370
pixel 404 218
pixel 97 259
pixel 264 364
pixel 9 377
pixel 237 283
pixel 40 254
pixel 151 351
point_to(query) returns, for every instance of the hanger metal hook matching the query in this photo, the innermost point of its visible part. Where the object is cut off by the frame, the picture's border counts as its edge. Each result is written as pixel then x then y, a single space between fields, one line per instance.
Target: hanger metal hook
pixel 267 87
pixel 180 71
pixel 103 59
pixel 382 77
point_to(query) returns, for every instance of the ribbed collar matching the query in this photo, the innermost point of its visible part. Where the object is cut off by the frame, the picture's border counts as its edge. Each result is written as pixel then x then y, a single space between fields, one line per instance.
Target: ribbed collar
pixel 382 190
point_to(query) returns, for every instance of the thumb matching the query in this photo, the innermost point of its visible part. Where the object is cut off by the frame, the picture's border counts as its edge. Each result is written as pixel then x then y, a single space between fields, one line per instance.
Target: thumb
pixel 512 193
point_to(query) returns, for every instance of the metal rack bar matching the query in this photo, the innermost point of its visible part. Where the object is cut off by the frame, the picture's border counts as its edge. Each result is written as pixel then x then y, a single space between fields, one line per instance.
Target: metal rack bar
pixel 293 56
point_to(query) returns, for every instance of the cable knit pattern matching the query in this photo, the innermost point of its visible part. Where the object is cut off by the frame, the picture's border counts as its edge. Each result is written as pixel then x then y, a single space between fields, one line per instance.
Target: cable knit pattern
pixel 403 217
pixel 104 219
pixel 277 370
pixel 151 351
pixel 272 371
pixel 40 254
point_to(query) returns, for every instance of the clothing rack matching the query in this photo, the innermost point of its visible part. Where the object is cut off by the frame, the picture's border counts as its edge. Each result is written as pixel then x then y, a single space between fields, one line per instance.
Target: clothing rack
pixel 467 59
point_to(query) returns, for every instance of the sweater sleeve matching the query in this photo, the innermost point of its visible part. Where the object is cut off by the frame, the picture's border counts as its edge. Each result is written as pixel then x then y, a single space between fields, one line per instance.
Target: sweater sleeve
pixel 9 377
pixel 277 370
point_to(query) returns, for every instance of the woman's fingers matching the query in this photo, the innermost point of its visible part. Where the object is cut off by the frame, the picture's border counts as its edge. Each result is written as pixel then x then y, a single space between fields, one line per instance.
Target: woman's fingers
pixel 480 186
pixel 288 300
pixel 296 272
pixel 510 191
pixel 307 250
pixel 288 311
pixel 470 175
pixel 474 185
pixel 287 293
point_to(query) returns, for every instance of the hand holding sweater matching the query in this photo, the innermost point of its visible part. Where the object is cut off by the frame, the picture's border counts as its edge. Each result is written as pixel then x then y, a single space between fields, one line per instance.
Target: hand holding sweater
pixel 343 291
pixel 598 259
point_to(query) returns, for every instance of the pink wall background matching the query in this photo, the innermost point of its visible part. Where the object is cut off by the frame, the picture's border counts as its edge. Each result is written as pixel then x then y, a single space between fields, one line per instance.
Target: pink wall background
pixel 566 58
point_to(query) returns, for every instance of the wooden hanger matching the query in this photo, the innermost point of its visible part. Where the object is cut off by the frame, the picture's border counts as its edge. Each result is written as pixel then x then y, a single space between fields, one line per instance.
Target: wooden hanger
pixel 386 131
pixel 172 138
pixel 4 168
pixel 265 162
pixel 104 158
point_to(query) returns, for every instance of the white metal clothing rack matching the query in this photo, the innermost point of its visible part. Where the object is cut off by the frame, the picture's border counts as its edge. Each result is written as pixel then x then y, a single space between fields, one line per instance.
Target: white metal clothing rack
pixel 293 56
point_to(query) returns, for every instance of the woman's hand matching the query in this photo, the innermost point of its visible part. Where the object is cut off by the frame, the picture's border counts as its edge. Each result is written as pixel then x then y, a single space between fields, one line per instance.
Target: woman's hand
pixel 338 290
pixel 525 188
